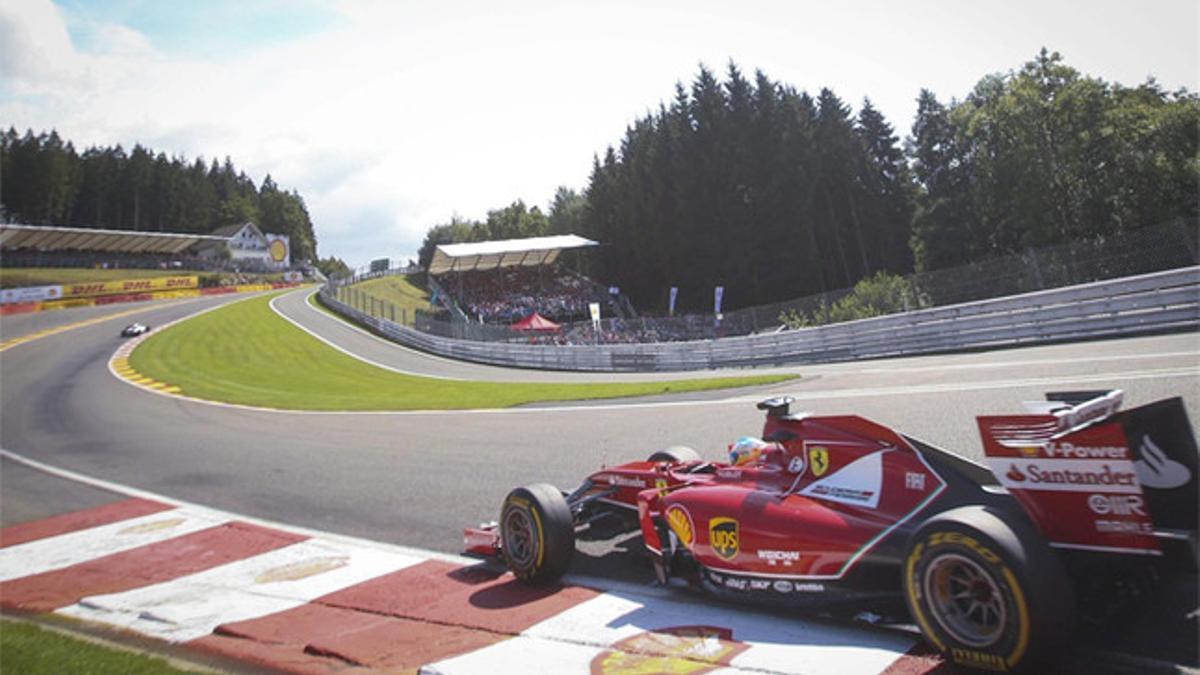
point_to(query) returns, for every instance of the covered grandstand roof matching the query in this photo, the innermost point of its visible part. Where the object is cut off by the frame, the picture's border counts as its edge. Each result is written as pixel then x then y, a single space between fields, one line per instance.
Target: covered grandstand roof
pixel 51 238
pixel 487 255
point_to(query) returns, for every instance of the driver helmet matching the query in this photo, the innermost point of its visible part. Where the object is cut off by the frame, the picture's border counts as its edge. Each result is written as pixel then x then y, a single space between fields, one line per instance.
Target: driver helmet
pixel 747 450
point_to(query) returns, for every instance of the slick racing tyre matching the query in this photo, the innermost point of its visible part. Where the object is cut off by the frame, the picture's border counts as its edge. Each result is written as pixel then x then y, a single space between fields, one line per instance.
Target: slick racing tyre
pixel 675 454
pixel 537 533
pixel 988 594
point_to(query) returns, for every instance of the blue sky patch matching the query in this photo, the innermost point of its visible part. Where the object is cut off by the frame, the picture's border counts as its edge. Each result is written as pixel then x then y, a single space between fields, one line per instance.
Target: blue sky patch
pixel 207 29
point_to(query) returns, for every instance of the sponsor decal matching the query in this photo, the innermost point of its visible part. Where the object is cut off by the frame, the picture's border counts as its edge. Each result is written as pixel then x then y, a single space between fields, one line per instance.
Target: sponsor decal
pixel 984 552
pixel 1072 451
pixel 680 522
pixel 857 484
pixel 774 558
pixel 661 485
pixel 1117 505
pixel 736 584
pixel 1068 475
pixel 1123 527
pixel 623 481
pixel 914 480
pixel 818 459
pixel 797 465
pixel 723 537
pixel 732 474
pixel 1156 470
pixel 686 650
pixel 787 587
pixel 980 660
pixel 759 584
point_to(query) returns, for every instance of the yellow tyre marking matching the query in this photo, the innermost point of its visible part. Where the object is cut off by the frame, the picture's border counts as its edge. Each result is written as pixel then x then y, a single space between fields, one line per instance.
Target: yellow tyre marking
pixel 1022 615
pixel 540 538
pixel 910 585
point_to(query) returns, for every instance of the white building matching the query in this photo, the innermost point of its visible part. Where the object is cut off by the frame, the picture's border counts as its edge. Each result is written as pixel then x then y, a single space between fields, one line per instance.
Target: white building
pixel 247 243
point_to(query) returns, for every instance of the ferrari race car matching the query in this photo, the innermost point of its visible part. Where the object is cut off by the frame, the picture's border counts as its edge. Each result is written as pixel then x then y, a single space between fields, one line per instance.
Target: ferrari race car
pixel 135 329
pixel 1078 512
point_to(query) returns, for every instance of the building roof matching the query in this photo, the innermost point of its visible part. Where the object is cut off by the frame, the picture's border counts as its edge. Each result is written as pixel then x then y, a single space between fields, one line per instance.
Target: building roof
pixel 51 238
pixel 529 252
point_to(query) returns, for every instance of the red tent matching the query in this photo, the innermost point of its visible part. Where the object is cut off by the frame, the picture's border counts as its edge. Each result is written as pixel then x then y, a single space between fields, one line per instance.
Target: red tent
pixel 536 322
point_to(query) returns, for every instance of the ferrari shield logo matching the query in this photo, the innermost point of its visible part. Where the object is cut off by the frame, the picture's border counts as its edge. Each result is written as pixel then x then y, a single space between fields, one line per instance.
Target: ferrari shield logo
pixel 723 537
pixel 818 459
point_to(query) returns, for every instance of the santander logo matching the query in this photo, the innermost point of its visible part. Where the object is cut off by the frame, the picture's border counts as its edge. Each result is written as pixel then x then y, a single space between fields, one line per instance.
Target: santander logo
pixel 1014 474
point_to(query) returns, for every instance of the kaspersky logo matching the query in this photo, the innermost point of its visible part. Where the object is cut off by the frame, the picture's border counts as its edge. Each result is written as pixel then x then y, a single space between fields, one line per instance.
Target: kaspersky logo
pixel 723 537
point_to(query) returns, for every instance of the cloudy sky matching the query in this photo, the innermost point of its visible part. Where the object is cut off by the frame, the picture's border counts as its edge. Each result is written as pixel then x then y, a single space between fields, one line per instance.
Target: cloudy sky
pixel 390 117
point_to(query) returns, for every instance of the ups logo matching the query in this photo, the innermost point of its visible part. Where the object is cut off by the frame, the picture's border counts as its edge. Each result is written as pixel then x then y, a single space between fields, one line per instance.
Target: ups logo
pixel 723 537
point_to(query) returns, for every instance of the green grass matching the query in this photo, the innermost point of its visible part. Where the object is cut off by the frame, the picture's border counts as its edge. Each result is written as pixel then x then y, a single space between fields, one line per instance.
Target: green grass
pixel 244 353
pixel 401 292
pixel 49 276
pixel 29 650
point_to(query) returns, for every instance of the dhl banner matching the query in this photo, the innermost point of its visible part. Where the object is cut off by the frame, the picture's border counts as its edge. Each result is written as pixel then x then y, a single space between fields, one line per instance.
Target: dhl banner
pixel 68 304
pixel 127 286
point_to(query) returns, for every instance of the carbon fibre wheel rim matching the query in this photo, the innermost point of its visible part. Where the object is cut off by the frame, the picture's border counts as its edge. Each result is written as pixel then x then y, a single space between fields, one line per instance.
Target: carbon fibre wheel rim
pixel 965 600
pixel 520 541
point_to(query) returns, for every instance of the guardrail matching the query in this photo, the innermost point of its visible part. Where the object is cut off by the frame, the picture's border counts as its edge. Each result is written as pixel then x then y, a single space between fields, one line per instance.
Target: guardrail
pixel 1146 303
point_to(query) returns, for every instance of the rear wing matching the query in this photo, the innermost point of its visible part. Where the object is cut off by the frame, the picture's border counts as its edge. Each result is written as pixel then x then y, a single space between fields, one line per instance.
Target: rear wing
pixel 1095 478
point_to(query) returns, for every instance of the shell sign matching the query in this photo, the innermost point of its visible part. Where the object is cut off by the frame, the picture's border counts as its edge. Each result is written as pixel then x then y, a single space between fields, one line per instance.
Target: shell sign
pixel 278 249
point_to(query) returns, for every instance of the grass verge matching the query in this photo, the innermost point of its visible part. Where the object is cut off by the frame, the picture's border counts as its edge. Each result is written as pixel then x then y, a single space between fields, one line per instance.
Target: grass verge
pixel 244 353
pixel 397 297
pixel 30 650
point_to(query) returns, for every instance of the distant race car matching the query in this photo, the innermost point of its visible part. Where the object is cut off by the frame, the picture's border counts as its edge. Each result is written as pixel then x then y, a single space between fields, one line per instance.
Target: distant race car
pixel 135 329
pixel 1079 511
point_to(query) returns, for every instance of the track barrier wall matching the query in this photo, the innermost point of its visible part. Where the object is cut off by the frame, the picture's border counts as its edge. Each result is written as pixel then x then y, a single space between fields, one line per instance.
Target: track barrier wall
pixel 70 303
pixel 1157 302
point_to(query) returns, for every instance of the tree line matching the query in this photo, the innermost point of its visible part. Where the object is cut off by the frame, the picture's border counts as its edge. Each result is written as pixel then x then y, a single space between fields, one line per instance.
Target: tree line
pixel 44 180
pixel 773 193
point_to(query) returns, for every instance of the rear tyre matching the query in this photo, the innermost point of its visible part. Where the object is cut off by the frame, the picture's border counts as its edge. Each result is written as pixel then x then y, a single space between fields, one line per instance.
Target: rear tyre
pixel 987 593
pixel 537 533
pixel 675 454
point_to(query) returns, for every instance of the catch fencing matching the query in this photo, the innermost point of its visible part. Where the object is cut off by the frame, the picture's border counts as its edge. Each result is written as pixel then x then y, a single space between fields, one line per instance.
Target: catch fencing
pixel 1133 305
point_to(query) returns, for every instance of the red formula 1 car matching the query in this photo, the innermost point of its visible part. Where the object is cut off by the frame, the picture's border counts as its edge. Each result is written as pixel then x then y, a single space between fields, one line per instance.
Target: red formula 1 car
pixel 1080 509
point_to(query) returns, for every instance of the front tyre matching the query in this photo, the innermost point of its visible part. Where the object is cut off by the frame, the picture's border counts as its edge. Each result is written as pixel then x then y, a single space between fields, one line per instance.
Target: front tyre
pixel 985 596
pixel 537 533
pixel 675 454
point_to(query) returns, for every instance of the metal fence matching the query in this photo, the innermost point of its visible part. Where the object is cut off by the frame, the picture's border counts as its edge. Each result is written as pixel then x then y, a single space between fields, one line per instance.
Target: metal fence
pixel 1128 306
pixel 1168 246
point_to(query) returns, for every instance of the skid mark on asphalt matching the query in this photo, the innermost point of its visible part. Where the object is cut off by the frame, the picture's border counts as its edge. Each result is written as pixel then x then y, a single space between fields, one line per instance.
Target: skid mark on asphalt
pixel 302 601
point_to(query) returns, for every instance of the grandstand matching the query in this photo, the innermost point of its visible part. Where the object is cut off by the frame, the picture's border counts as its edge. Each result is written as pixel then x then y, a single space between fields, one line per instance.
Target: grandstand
pixel 501 282
pixel 77 247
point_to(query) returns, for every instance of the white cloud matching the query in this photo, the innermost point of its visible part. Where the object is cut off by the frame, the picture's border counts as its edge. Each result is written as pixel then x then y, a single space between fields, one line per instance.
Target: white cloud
pixel 398 115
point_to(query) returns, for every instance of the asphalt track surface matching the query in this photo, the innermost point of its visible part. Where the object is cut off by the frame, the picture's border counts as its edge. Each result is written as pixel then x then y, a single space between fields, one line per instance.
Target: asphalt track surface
pixel 417 478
